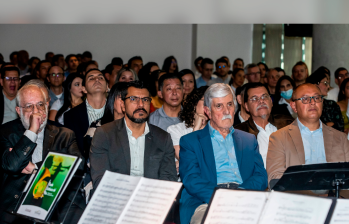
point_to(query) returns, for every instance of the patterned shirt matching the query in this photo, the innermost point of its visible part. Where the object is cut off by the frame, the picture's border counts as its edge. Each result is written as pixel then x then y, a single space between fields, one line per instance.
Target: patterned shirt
pixel 331 112
pixel 94 114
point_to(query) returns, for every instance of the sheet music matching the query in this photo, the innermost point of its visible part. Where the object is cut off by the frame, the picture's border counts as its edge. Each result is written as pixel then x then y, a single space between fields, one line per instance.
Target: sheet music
pixel 341 212
pixel 151 202
pixel 235 206
pixel 295 209
pixel 110 198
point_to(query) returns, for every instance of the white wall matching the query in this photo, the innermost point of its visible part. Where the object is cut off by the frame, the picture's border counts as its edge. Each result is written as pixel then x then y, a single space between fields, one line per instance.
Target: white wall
pixel 231 40
pixel 152 42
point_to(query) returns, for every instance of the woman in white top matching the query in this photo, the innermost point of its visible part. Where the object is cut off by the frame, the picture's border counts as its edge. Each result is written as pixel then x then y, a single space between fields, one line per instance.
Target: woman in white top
pixel 192 116
pixel 283 94
pixel 72 97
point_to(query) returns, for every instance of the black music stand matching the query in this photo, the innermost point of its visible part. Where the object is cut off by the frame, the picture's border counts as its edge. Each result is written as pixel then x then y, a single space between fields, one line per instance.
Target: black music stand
pixel 324 176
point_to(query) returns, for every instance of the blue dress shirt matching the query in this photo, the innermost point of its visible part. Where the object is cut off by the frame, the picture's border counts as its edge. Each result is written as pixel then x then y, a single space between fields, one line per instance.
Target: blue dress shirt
pixel 200 82
pixel 227 167
pixel 313 144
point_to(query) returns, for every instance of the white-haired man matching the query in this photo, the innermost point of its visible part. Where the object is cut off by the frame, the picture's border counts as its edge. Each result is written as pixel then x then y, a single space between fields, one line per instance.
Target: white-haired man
pixel 24 143
pixel 217 156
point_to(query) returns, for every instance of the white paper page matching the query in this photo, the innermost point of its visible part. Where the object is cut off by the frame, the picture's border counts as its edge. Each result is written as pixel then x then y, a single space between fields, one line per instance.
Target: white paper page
pixel 295 209
pixel 341 212
pixel 110 198
pixel 235 206
pixel 151 202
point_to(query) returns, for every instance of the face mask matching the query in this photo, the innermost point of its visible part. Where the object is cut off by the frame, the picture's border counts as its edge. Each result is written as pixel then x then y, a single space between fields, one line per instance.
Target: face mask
pixel 287 94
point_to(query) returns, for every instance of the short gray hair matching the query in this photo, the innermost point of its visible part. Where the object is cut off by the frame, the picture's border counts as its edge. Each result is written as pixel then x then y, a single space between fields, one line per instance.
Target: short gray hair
pixel 217 90
pixel 34 82
pixel 248 66
pixel 135 76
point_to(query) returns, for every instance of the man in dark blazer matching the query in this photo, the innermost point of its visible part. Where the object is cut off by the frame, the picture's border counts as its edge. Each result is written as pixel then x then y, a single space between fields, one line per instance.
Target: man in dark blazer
pixel 80 117
pixel 217 156
pixel 130 145
pixel 24 144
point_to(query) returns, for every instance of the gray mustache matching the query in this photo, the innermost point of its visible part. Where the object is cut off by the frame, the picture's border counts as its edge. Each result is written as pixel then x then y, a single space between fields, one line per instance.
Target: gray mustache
pixel 262 105
pixel 228 116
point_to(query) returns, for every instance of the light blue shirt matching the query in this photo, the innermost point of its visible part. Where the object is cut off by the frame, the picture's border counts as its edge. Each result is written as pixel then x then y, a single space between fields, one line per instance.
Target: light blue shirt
pixel 313 144
pixel 200 82
pixel 224 154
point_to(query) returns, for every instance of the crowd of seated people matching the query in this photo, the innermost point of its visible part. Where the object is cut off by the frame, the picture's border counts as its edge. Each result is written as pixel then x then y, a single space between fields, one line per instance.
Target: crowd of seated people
pixel 227 126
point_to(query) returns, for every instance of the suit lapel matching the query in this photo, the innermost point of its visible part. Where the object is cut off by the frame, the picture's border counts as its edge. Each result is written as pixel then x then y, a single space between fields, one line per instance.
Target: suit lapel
pixel 207 150
pixel 49 137
pixel 148 146
pixel 84 118
pixel 328 138
pixel 123 142
pixel 296 137
pixel 238 146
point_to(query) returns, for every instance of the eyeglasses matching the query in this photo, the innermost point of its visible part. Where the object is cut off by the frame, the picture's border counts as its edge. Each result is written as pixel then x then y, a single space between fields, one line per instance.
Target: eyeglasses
pixel 9 79
pixel 343 76
pixel 30 107
pixel 222 66
pixel 135 99
pixel 307 99
pixel 254 73
pixel 57 75
pixel 256 99
pixel 326 83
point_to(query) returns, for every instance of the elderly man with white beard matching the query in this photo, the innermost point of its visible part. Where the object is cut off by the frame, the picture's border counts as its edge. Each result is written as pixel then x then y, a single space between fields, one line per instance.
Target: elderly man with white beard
pixel 217 156
pixel 261 123
pixel 24 144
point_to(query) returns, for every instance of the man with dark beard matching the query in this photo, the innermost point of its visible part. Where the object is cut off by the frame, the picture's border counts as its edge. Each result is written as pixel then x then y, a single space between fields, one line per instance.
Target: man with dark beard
pixel 261 123
pixel 130 145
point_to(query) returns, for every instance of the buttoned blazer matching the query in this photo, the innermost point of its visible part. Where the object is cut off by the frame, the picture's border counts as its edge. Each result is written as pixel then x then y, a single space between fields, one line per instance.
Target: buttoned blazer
pixel 286 148
pixel 56 139
pixel 110 150
pixel 197 168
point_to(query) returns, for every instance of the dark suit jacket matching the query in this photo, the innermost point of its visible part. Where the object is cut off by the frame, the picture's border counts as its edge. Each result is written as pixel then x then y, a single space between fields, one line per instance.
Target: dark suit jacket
pixel 110 150
pixel 12 163
pixel 2 106
pixel 278 120
pixel 197 168
pixel 76 120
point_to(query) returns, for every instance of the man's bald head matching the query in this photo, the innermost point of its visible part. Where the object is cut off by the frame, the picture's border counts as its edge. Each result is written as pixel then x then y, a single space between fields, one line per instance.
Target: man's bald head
pixel 299 90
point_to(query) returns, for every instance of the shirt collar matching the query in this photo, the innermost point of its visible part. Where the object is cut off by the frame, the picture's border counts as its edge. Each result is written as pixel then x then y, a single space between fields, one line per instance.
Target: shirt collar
pixel 214 132
pixel 129 132
pixel 304 128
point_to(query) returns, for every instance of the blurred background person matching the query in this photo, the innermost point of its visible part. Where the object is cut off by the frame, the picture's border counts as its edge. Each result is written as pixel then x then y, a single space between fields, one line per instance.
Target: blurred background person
pixel 300 73
pixel 198 69
pixel 283 94
pixel 189 83
pixel 237 79
pixel 147 69
pixel 206 72
pixel 72 97
pixel 339 76
pixel 280 71
pixel 272 77
pixel 263 69
pixel 331 113
pixel 135 63
pixel 241 115
pixel 343 102
pixel 156 101
pixel 33 61
pixel 170 65
pixel 126 75
pixel 238 63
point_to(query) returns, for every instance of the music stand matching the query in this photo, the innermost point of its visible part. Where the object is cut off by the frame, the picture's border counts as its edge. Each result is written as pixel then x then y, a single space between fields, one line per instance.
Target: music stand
pixel 324 176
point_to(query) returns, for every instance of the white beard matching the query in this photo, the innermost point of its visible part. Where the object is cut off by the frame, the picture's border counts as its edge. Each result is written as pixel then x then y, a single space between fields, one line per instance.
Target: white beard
pixel 26 122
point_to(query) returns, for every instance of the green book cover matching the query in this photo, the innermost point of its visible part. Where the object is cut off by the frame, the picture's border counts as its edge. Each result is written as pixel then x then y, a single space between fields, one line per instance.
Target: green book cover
pixel 47 185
